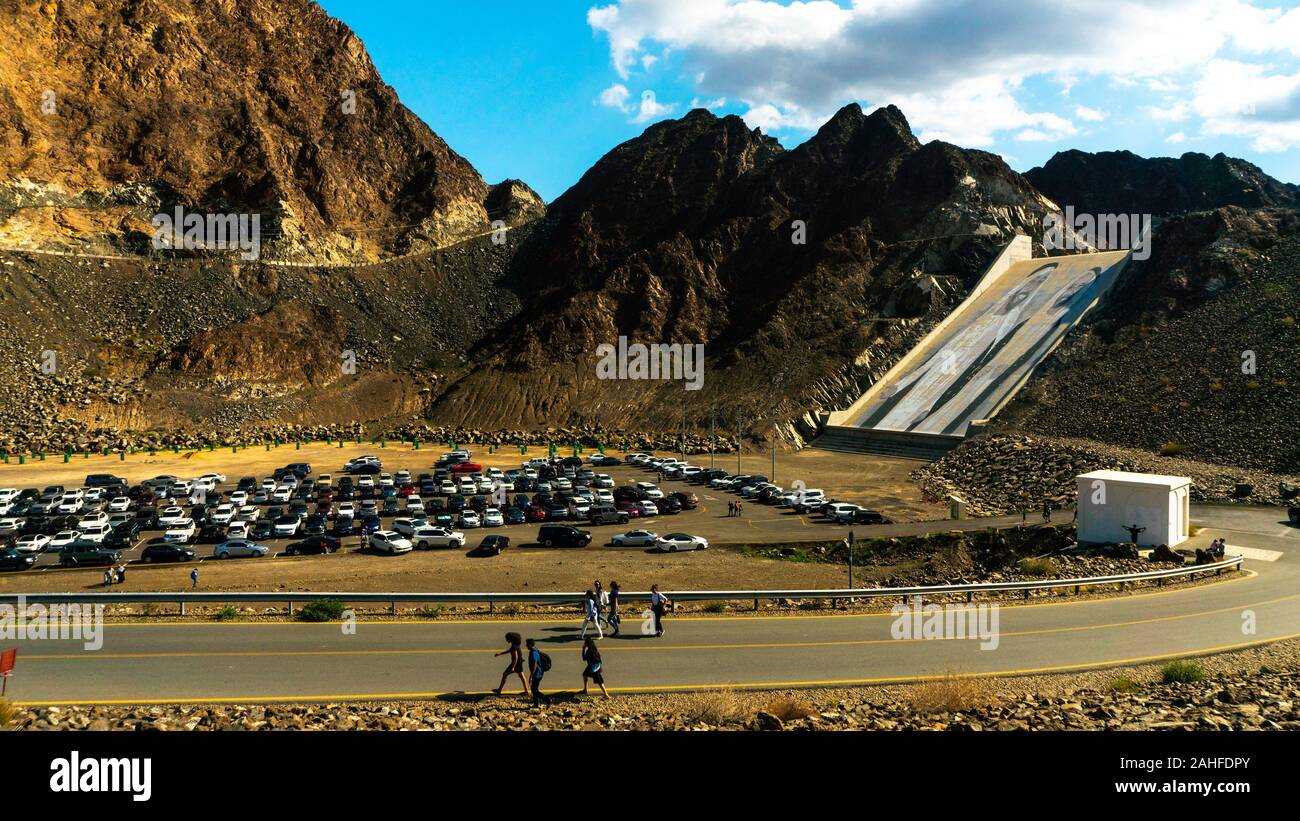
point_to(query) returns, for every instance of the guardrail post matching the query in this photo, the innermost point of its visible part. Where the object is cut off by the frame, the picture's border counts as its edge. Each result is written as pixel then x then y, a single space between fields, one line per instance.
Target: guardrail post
pixel 755 604
pixel 291 608
pixel 393 609
pixel 492 607
pixel 1077 588
pixel 1160 582
pixel 182 607
pixel 1026 593
pixel 970 596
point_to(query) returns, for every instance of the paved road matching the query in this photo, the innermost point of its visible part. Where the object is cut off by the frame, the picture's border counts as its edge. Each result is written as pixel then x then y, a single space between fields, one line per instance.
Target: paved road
pixel 272 661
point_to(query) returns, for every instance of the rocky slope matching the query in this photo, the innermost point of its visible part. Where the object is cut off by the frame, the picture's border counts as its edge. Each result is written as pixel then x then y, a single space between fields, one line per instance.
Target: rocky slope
pixel 1120 182
pixel 785 265
pixel 114 111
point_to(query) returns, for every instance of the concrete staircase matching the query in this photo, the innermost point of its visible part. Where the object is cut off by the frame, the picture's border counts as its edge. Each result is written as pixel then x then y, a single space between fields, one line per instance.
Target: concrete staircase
pixel 924 447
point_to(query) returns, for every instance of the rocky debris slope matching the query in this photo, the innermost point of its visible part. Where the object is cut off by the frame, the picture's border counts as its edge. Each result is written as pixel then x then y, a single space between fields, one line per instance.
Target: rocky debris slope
pixel 1006 474
pixel 1121 182
pixel 117 110
pixel 1198 353
pixel 1264 699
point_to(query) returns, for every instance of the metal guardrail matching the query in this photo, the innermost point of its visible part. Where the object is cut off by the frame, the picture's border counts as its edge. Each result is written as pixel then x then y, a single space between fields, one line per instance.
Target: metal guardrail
pixel 492 599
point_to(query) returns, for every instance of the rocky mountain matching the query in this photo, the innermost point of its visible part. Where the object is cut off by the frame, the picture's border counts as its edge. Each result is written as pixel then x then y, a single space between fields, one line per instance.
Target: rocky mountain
pixel 780 262
pixel 1120 182
pixel 113 111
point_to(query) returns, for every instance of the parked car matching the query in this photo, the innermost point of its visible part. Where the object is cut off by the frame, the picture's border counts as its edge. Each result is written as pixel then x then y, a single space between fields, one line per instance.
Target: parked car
pixel 606 515
pixel 235 548
pixel 83 554
pixel 160 550
pixel 563 536
pixel 13 559
pixel 492 545
pixel 635 538
pixel 674 542
pixel 313 545
pixel 390 542
pixel 428 536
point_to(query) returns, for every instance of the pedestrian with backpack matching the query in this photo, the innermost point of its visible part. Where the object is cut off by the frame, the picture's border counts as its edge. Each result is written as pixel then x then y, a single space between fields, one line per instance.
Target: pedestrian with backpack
pixel 590 615
pixel 538 664
pixel 602 603
pixel 516 665
pixel 593 670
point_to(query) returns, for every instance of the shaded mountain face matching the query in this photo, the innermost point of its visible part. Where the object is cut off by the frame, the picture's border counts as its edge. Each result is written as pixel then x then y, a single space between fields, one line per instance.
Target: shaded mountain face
pixel 780 262
pixel 1120 182
pixel 112 111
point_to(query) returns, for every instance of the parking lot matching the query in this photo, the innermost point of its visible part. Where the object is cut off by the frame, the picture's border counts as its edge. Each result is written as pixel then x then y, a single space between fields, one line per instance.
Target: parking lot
pixel 709 520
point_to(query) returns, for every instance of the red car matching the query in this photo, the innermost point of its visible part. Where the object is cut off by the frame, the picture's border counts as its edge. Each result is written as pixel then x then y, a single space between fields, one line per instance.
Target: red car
pixel 466 467
pixel 632 509
pixel 535 513
pixel 406 490
pixel 689 500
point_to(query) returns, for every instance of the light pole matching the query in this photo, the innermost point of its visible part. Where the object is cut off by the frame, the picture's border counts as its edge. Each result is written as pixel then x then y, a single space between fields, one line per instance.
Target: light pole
pixel 713 440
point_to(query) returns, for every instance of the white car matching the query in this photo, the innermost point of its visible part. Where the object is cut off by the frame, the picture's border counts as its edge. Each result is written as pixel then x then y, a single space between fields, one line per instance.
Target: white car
pixel 64 538
pixel 635 538
pixel 467 487
pixel 92 520
pixel 8 494
pixel 169 516
pixel 233 548
pixel 95 534
pixel 237 530
pixel 605 497
pixel 387 541
pixel 70 504
pixel 385 480
pixel 841 512
pixel 674 542
pixel 212 479
pixel 414 504
pixel 346 510
pixel 281 493
pixel 118 504
pixel 268 485
pixel 579 508
pixel 603 480
pixel 564 484
pixel 405 525
pixel 93 494
pixel 426 536
pixel 248 513
pixel 239 498
pixel 121 517
pixel 650 489
pixel 401 477
pixel 222 514
pixel 261 497
pixel 365 483
pixel 470 519
pixel 648 508
pixel 287 525
pixel 33 543
pixel 182 532
pixel 492 518
pixel 447 487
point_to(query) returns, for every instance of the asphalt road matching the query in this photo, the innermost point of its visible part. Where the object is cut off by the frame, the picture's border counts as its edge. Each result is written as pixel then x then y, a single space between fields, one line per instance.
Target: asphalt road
pixel 203 662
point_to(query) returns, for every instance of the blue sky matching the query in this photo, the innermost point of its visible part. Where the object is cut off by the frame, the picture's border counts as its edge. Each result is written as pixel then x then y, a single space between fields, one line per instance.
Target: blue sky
pixel 539 91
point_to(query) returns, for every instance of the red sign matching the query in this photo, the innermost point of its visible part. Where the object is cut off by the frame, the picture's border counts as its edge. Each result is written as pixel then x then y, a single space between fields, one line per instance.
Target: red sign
pixel 7 661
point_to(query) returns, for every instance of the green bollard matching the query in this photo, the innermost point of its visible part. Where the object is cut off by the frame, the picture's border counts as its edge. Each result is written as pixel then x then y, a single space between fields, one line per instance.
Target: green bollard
pixel 121 456
pixel 65 458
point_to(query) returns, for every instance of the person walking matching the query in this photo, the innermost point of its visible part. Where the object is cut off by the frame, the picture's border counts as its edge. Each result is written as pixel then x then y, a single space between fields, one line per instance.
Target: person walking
pixel 536 669
pixel 593 670
pixel 516 666
pixel 602 603
pixel 194 578
pixel 108 577
pixel 731 509
pixel 615 620
pixel 658 604
pixel 591 615
pixel 121 573
pixel 1047 511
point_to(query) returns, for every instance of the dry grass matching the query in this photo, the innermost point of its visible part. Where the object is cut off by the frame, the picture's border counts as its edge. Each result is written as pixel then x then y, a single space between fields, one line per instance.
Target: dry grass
pixel 789 708
pixel 952 694
pixel 8 712
pixel 715 707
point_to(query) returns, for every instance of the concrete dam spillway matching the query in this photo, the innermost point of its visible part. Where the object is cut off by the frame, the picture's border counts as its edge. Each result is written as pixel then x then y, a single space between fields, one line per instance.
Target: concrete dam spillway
pixel 976 360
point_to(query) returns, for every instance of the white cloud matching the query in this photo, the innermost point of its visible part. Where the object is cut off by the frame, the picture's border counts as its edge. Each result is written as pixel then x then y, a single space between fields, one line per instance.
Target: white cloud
pixel 615 97
pixel 1176 137
pixel 795 62
pixel 1091 115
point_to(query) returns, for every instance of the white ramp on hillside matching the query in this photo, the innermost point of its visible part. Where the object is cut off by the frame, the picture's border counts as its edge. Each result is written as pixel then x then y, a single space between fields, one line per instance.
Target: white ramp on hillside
pixel 972 365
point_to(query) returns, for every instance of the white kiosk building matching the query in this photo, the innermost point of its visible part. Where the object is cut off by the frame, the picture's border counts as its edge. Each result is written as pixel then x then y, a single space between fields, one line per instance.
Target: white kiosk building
pixel 1110 501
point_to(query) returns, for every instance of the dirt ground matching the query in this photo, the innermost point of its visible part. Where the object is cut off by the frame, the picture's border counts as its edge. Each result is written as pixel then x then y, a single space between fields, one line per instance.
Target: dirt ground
pixel 873 481
pixel 878 483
